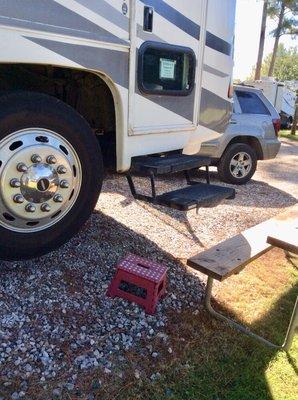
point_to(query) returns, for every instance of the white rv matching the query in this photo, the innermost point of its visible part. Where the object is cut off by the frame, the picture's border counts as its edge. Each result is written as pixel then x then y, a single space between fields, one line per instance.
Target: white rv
pixel 280 95
pixel 136 85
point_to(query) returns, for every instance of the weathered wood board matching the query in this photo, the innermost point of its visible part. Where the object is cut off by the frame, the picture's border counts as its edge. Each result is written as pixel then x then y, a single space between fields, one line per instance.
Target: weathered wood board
pixel 232 255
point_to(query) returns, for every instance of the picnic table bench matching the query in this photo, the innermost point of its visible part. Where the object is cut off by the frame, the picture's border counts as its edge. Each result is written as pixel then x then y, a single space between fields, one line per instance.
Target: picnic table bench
pixel 232 255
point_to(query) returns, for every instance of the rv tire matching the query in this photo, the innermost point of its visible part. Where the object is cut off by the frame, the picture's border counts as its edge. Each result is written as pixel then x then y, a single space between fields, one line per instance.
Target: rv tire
pixel 51 174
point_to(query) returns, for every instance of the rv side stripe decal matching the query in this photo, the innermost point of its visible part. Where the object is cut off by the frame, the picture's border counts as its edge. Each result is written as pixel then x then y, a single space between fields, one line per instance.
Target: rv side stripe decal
pixel 115 64
pixel 175 17
pixel 106 11
pixel 180 105
pixel 215 112
pixel 188 26
pixel 218 44
pixel 148 36
pixel 49 16
pixel 214 71
pixel 112 62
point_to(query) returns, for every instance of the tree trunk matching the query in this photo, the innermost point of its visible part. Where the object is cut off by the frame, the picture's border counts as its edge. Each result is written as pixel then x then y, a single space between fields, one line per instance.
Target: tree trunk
pixel 262 42
pixel 277 36
pixel 294 125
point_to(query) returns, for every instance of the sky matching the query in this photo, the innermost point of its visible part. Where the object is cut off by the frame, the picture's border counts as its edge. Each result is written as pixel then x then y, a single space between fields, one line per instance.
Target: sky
pixel 248 25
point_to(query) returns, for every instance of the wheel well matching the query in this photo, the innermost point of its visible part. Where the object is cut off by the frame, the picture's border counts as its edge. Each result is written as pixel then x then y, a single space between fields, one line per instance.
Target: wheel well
pixel 252 141
pixel 85 91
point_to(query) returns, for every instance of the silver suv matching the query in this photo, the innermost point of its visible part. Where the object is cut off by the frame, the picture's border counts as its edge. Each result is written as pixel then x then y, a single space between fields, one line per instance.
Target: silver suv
pixel 252 135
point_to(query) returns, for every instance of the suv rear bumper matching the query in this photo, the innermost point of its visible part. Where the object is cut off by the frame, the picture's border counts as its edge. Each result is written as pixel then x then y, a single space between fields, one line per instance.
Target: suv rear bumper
pixel 271 148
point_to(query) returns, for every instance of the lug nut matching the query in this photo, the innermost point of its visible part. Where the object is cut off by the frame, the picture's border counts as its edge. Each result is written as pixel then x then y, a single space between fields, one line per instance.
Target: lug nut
pixel 30 208
pixel 45 207
pixel 51 160
pixel 64 184
pixel 61 169
pixel 18 198
pixel 15 183
pixel 58 198
pixel 36 159
pixel 21 167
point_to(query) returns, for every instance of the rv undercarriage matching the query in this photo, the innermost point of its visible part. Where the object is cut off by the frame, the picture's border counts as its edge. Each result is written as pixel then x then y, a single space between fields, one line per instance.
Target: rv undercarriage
pixel 85 92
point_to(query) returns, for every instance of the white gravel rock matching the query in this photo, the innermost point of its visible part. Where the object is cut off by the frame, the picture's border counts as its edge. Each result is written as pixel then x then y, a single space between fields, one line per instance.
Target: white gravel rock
pixel 56 320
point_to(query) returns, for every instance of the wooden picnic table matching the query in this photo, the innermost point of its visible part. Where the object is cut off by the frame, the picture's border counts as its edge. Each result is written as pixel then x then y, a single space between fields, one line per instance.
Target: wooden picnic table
pixel 286 238
pixel 232 255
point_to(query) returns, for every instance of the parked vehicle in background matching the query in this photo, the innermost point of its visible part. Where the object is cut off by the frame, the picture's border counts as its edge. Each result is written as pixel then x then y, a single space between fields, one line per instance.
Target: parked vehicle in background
pixel 252 135
pixel 280 95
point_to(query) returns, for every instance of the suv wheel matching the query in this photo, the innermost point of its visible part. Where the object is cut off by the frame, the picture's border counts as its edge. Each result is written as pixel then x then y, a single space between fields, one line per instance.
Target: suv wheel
pixel 238 164
pixel 50 174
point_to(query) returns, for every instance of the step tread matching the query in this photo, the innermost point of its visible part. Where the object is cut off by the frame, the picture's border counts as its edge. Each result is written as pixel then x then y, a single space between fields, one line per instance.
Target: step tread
pixel 168 164
pixel 199 195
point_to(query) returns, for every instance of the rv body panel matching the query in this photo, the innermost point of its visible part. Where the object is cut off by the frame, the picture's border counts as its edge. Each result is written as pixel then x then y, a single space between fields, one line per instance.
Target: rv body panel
pixel 278 93
pixel 105 38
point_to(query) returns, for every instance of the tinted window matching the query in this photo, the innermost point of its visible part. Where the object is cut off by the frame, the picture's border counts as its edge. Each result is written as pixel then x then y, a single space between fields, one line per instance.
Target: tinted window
pixel 250 103
pixel 165 69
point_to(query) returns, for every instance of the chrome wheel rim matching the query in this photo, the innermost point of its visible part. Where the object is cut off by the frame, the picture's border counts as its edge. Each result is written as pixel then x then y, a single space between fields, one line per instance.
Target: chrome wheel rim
pixel 40 179
pixel 240 165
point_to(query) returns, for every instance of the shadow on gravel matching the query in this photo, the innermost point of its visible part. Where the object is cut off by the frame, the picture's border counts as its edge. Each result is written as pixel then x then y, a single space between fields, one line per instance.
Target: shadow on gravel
pixel 284 171
pixel 254 194
pixel 80 271
pixel 180 216
pixel 288 144
pixel 290 175
pixel 49 300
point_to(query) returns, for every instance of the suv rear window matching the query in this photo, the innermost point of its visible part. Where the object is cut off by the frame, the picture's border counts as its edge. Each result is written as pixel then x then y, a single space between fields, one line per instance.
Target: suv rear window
pixel 250 103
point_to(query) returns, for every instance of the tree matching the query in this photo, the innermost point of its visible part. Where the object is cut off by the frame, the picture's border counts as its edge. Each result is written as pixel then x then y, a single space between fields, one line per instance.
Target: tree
pixel 262 41
pixel 295 121
pixel 286 64
pixel 285 12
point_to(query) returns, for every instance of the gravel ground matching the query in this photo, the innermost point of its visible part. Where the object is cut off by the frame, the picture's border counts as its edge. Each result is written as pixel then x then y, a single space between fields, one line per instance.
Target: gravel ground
pixel 56 322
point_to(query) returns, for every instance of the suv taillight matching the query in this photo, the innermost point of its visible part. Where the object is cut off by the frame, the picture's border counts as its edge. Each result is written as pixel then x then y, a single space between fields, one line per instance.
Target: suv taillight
pixel 276 123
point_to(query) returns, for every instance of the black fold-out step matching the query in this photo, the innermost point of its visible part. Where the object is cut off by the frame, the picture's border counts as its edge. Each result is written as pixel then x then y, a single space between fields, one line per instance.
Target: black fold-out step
pixel 168 164
pixel 195 196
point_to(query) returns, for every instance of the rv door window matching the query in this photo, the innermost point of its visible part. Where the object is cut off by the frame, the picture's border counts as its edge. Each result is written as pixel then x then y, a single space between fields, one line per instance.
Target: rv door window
pixel 165 69
pixel 250 103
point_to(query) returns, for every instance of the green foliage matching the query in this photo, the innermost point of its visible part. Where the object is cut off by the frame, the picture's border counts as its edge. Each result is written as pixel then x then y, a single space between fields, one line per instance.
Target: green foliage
pixel 287 134
pixel 290 23
pixel 286 64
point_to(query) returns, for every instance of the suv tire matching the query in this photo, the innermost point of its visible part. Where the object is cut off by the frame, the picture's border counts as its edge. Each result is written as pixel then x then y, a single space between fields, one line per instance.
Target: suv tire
pixel 238 164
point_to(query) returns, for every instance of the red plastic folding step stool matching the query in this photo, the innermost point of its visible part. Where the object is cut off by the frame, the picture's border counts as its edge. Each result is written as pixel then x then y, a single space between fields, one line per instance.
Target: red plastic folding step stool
pixel 141 273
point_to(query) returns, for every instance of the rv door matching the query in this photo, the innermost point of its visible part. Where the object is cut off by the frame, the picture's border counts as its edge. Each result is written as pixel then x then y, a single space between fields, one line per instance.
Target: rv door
pixel 164 56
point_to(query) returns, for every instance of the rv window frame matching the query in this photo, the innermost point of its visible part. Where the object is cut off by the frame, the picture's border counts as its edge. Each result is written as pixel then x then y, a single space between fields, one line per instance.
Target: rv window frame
pixel 168 47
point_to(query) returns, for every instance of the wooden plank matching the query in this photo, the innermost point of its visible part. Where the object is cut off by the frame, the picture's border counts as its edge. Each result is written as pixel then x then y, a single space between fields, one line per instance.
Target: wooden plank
pixel 232 255
pixel 286 236
pixel 285 240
